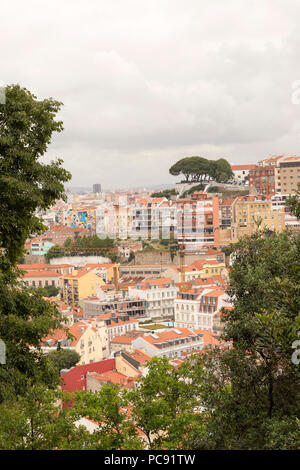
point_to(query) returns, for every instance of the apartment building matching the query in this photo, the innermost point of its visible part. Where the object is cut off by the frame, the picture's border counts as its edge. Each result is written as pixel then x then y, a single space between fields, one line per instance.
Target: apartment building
pixel 262 177
pixel 196 307
pixel 160 295
pixel 107 271
pixel 80 284
pixel 152 218
pixel 121 370
pixel 226 213
pixel 198 221
pixel 90 340
pixel 218 324
pixel 248 210
pixel 128 369
pixel 278 174
pixel 122 343
pixel 170 343
pixel 279 202
pixel 287 175
pixel 197 269
pixel 58 234
pixel 150 271
pixel 75 378
pixel 81 216
pixel 59 268
pixel 125 305
pixel 116 324
pixel 41 278
pixel 40 246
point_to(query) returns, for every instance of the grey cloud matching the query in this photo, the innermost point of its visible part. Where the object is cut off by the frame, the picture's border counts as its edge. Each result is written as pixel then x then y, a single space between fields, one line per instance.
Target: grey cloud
pixel 146 83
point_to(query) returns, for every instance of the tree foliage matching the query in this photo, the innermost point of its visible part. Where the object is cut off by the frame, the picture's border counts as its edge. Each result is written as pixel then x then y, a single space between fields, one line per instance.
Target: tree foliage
pixel 198 169
pixel 165 404
pixel 26 184
pixel 63 358
pixel 38 421
pixel 252 390
pixel 86 245
pixel 165 193
pixel 49 291
pixel 107 407
pixel 293 203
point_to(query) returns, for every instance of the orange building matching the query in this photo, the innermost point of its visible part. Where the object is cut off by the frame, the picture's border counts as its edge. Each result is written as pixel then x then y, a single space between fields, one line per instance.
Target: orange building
pixel 198 221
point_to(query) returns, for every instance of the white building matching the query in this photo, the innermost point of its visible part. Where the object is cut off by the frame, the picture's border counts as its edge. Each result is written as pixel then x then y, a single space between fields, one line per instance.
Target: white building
pixel 160 295
pixel 196 307
pixel 278 202
pixel 170 343
pixel 241 172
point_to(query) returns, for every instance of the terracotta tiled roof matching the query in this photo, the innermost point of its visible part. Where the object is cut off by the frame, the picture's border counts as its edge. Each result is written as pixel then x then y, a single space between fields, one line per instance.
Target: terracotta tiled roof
pixel 61 228
pixel 140 356
pixel 76 330
pixel 291 159
pixel 111 376
pixel 159 282
pixel 98 265
pixel 242 167
pixel 41 274
pixel 166 335
pixel 123 339
pixel 214 293
pixel 33 267
pixel 60 265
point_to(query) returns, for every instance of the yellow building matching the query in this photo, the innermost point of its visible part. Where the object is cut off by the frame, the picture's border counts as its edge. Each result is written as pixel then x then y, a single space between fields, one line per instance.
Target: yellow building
pixel 248 212
pixel 107 271
pixel 80 284
pixel 89 340
pixel 197 269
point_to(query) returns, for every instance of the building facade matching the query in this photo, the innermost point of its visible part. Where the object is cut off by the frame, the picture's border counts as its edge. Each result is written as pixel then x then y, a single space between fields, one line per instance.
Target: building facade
pixel 159 294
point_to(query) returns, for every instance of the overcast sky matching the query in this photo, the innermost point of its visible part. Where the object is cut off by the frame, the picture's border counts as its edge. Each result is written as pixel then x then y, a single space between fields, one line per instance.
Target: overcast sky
pixel 146 82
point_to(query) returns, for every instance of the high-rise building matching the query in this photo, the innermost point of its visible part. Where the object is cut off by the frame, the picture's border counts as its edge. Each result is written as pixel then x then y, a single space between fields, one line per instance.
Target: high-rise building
pixel 96 188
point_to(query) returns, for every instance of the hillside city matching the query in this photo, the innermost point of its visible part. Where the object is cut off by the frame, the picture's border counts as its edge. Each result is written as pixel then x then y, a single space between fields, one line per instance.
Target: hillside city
pixel 165 290
pixel 149 231
pixel 146 319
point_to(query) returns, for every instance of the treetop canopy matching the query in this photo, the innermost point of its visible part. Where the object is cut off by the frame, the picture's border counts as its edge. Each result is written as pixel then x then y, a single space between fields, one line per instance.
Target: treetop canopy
pixel 197 169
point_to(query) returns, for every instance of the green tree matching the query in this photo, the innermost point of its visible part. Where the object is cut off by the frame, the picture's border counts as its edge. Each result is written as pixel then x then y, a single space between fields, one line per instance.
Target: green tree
pixel 165 193
pixel 49 291
pixel 220 170
pixel 252 390
pixel 63 358
pixel 293 203
pixel 199 169
pixel 26 184
pixel 107 407
pixel 38 421
pixel 68 243
pixel 164 404
pixel 87 245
